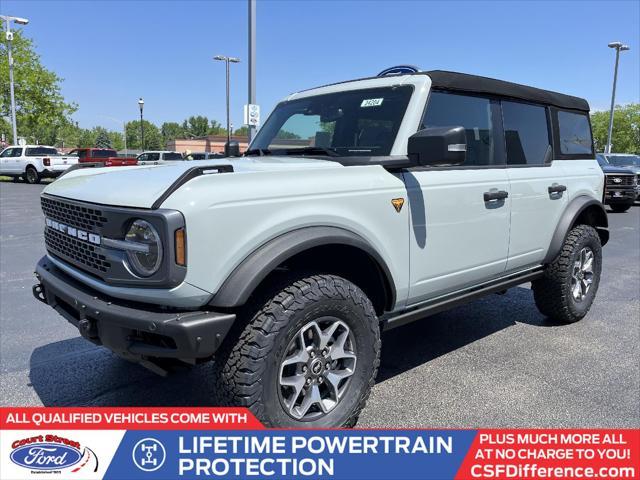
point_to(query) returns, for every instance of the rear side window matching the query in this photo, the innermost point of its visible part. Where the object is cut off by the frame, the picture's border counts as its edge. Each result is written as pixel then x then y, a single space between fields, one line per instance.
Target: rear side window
pixel 475 115
pixel 38 151
pixel 173 156
pixel 574 133
pixel 526 133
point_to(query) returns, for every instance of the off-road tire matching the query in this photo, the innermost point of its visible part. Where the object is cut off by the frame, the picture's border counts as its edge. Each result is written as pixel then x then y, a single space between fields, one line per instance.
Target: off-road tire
pixel 31 176
pixel 246 365
pixel 620 207
pixel 552 293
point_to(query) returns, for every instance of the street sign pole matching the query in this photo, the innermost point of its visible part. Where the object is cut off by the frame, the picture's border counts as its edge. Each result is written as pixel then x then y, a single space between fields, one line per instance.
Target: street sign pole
pixel 252 61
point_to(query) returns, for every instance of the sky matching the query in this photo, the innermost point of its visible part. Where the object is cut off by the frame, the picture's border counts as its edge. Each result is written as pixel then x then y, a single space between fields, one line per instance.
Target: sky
pixel 110 53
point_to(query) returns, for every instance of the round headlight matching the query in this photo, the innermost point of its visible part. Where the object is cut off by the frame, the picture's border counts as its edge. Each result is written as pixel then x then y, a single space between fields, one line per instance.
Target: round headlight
pixel 145 255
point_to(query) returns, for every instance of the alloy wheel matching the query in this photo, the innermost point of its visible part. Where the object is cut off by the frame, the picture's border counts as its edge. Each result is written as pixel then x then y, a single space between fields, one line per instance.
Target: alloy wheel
pixel 315 372
pixel 582 274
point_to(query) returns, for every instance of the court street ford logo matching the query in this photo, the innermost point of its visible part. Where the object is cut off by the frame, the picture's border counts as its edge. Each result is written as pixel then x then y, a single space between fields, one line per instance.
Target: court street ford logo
pixel 46 453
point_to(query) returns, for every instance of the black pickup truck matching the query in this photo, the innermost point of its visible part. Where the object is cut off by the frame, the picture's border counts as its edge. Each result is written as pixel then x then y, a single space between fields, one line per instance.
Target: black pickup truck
pixel 620 186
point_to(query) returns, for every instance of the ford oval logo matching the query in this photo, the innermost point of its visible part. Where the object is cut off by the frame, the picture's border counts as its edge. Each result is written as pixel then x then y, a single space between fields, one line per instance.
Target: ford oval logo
pixel 45 456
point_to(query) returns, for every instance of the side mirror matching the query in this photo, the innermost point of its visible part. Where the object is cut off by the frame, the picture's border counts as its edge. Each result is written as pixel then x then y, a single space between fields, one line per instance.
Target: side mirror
pixel 438 146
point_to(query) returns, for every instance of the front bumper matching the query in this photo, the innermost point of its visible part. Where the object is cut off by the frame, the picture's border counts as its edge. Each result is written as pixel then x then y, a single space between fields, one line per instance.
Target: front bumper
pixel 134 331
pixel 613 195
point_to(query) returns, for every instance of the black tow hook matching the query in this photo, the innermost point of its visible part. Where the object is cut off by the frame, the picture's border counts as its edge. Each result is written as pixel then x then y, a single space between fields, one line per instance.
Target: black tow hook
pixel 38 292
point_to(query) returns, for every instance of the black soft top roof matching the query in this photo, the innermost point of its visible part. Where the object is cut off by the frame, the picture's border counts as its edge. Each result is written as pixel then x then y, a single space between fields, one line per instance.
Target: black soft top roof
pixel 477 84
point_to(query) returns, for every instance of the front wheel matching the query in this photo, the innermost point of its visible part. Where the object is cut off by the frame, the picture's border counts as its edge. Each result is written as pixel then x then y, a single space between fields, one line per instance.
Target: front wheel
pixel 621 207
pixel 569 285
pixel 32 176
pixel 307 357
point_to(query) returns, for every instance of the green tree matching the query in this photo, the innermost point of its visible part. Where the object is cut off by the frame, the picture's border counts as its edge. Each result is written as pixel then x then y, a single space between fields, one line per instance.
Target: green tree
pixel 41 111
pixel 170 131
pixel 116 139
pixel 102 139
pixel 216 128
pixel 626 129
pixel 86 138
pixel 152 136
pixel 197 126
pixel 242 131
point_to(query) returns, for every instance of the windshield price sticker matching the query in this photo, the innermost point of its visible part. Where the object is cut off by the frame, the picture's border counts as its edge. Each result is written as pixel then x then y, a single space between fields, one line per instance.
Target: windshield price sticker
pixel 371 102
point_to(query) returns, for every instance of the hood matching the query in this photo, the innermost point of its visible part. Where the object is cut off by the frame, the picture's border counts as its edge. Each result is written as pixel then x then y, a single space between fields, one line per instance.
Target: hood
pixel 141 186
pixel 619 170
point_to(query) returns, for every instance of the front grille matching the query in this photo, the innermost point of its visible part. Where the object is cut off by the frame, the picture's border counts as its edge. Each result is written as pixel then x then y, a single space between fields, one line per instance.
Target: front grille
pixel 86 218
pixel 76 251
pixel 79 253
pixel 620 180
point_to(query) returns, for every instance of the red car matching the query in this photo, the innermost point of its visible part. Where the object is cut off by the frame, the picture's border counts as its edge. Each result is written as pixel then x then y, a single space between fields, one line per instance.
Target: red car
pixel 107 156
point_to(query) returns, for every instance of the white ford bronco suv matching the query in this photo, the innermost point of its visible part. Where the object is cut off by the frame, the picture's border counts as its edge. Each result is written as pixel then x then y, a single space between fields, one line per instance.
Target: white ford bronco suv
pixel 359 206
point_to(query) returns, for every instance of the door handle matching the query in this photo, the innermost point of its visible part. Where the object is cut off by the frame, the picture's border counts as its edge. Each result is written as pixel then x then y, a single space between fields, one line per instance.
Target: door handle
pixel 557 188
pixel 495 195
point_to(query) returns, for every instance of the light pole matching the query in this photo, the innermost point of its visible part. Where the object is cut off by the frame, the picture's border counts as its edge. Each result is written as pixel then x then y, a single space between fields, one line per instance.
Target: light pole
pixel 619 47
pixel 227 60
pixel 141 104
pixel 9 36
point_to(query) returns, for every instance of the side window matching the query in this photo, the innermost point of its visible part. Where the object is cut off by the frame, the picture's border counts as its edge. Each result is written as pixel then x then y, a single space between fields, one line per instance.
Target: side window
pixel 153 157
pixel 526 133
pixel 7 153
pixel 143 157
pixel 472 113
pixel 574 133
pixel 81 153
pixel 17 152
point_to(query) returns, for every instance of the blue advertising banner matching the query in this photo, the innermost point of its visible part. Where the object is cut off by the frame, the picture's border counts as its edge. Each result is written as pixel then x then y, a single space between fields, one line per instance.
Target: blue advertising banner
pixel 339 454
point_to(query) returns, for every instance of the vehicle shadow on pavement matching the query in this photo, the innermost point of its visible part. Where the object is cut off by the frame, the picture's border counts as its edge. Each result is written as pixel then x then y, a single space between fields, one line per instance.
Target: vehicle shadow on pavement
pixel 424 340
pixel 74 372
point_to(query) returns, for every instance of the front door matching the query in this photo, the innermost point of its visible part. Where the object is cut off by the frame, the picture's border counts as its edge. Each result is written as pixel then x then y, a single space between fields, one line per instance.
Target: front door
pixel 459 215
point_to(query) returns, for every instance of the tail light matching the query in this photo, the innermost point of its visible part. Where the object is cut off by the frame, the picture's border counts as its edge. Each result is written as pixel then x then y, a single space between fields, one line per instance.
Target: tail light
pixel 46 162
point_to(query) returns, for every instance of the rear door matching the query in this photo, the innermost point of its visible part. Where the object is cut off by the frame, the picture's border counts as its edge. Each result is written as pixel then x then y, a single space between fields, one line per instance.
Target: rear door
pixel 538 184
pixel 459 232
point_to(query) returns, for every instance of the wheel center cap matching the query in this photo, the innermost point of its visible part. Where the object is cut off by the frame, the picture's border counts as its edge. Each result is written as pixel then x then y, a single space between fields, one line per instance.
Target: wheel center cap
pixel 316 366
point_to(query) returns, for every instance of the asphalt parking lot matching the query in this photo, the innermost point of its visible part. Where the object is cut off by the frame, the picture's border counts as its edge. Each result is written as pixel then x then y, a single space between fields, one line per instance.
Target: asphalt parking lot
pixel 495 363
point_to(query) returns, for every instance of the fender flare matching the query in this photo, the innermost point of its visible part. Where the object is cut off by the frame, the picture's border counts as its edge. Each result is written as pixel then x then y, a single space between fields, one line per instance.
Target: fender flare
pixel 568 219
pixel 245 278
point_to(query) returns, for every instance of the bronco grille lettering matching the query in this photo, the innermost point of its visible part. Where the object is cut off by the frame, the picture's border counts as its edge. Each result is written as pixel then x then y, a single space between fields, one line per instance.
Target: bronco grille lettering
pixel 73 232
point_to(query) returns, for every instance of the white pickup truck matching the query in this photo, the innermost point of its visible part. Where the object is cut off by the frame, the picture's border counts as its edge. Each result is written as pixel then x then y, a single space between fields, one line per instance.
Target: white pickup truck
pixel 33 162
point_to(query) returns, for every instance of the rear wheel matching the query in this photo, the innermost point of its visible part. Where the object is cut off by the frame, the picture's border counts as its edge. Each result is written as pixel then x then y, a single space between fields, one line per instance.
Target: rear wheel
pixel 621 207
pixel 307 357
pixel 32 176
pixel 570 282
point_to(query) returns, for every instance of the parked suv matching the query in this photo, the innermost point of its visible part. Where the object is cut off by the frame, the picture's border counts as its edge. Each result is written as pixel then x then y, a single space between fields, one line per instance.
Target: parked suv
pixel 621 185
pixel 359 206
pixel 156 157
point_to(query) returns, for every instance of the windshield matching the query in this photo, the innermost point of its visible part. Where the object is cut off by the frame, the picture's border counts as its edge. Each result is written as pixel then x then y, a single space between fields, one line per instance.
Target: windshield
pixel 624 160
pixel 350 123
pixel 39 151
pixel 104 153
pixel 172 156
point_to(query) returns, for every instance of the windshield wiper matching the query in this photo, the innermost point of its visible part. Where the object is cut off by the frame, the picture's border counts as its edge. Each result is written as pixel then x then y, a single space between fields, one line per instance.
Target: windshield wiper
pixel 331 152
pixel 257 151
